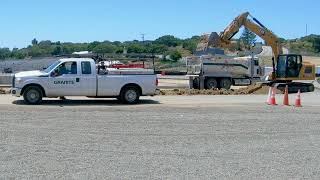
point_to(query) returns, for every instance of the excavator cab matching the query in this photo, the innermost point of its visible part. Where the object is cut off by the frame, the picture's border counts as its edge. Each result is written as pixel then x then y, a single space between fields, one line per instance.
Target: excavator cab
pixel 288 66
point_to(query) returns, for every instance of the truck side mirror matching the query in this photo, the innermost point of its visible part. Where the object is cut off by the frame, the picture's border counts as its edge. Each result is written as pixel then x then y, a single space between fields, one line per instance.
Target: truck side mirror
pixel 55 73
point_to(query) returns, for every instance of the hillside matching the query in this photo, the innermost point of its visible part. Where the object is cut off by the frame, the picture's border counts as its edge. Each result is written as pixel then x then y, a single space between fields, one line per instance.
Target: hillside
pixel 308 45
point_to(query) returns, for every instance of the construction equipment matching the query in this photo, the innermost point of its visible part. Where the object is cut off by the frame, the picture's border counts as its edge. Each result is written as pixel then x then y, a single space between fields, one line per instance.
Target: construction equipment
pixel 286 67
pixel 220 71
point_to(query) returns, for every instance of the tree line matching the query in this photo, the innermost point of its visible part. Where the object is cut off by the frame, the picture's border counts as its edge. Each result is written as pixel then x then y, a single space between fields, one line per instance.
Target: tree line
pixel 165 45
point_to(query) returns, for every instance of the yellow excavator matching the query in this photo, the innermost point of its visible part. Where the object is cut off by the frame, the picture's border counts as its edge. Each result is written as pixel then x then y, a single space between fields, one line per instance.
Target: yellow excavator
pixel 286 67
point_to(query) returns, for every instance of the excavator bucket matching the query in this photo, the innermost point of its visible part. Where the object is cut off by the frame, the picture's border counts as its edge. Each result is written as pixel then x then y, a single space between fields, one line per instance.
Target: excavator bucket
pixel 214 39
pixel 208 40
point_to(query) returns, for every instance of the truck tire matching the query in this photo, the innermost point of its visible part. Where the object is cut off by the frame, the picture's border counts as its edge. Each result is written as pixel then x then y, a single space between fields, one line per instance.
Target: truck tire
pixel 211 83
pixel 32 95
pixel 130 95
pixel 225 83
pixel 196 83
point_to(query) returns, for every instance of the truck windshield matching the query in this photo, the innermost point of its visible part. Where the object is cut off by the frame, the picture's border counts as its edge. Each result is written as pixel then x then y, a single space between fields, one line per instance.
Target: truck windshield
pixel 52 66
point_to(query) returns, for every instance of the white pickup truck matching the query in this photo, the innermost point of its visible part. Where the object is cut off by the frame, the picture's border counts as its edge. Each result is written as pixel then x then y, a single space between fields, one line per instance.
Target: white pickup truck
pixel 82 77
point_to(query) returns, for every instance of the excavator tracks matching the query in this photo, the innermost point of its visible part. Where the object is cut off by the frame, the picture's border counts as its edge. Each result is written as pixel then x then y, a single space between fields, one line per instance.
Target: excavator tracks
pixel 294 87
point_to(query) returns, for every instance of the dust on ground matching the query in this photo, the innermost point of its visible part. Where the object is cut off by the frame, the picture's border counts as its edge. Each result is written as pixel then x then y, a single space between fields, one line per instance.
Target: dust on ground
pixel 252 89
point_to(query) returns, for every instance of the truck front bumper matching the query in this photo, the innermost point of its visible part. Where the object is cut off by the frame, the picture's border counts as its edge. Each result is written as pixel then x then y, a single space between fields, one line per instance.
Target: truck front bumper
pixel 15 92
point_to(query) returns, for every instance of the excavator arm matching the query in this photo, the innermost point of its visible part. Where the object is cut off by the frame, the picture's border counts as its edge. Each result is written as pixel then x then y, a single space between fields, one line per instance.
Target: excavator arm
pixel 256 27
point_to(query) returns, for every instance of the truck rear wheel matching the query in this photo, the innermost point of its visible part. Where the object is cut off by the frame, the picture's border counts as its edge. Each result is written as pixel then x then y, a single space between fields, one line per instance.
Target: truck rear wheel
pixel 32 95
pixel 211 83
pixel 196 83
pixel 130 95
pixel 225 83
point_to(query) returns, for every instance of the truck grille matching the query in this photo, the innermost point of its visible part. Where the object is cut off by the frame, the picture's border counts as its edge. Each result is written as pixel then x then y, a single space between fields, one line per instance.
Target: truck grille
pixel 13 81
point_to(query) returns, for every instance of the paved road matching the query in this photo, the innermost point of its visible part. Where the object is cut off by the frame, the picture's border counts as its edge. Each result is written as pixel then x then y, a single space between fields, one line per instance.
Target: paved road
pixel 171 137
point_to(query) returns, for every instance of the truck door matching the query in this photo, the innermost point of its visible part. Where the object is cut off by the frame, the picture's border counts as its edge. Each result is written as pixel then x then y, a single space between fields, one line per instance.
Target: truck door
pixel 88 79
pixel 64 80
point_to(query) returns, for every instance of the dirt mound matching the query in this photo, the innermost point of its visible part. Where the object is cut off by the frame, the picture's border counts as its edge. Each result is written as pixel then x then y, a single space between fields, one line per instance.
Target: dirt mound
pixel 252 89
pixel 2 91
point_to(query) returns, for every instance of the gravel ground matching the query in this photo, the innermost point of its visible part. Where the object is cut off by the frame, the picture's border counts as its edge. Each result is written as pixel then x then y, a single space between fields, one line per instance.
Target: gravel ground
pixel 170 137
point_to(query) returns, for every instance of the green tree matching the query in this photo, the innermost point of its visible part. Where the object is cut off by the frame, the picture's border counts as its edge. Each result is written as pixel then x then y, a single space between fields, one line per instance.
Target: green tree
pixel 57 50
pixel 36 51
pixel 248 38
pixel 93 45
pixel 136 48
pixel 105 48
pixel 156 48
pixel 19 54
pixel 34 42
pixel 316 44
pixel 175 55
pixel 190 44
pixel 5 53
pixel 117 43
pixel 45 44
pixel 169 41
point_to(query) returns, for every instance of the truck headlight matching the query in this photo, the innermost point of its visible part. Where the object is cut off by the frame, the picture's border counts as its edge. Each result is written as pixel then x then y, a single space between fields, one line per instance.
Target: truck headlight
pixel 18 80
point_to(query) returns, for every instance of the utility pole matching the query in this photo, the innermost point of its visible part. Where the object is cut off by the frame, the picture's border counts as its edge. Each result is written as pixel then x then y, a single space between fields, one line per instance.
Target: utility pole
pixel 142 36
pixel 306 29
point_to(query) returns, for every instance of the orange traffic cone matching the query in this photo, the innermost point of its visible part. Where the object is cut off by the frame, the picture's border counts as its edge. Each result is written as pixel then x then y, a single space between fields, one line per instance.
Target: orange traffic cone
pixel 273 97
pixel 269 96
pixel 286 97
pixel 298 100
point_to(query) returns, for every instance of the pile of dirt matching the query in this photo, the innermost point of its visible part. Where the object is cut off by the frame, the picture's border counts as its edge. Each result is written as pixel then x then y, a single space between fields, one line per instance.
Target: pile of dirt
pixel 2 91
pixel 252 89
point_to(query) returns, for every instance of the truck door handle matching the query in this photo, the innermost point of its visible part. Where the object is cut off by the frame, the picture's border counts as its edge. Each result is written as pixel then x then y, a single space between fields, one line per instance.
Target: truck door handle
pixel 77 79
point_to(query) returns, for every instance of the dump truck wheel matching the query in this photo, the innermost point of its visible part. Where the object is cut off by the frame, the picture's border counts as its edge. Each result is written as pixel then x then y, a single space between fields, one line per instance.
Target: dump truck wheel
pixel 196 83
pixel 211 83
pixel 225 83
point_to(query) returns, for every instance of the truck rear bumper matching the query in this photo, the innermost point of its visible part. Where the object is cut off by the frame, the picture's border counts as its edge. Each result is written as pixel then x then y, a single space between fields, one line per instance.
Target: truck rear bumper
pixel 15 92
pixel 157 92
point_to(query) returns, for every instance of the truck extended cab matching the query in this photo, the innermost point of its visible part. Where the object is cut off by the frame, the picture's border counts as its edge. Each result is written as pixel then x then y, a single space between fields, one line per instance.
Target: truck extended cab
pixel 82 77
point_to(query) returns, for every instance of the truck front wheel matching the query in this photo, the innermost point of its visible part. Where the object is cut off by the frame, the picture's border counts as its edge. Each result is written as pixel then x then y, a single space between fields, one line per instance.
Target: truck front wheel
pixel 225 83
pixel 32 95
pixel 130 95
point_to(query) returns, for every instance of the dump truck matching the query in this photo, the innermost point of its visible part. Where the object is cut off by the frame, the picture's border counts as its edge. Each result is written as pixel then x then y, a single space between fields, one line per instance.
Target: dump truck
pixel 221 71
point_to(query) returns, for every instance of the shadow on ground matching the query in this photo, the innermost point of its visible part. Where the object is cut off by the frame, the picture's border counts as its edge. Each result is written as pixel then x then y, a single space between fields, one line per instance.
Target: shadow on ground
pixel 88 102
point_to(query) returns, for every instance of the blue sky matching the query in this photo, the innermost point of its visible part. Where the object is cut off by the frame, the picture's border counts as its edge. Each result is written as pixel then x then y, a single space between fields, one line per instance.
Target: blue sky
pixel 86 21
